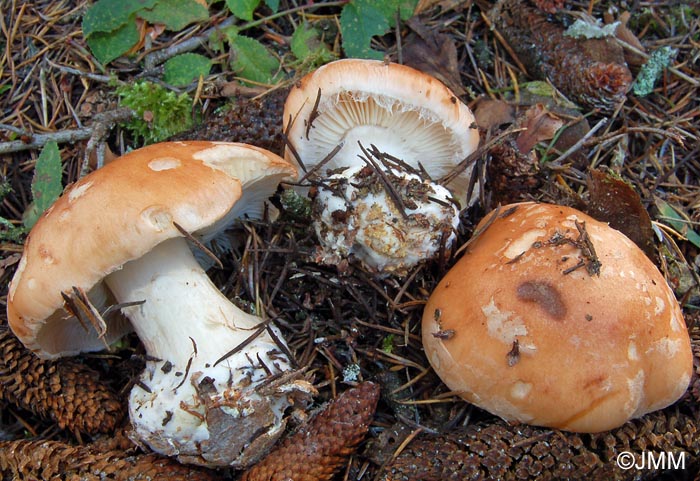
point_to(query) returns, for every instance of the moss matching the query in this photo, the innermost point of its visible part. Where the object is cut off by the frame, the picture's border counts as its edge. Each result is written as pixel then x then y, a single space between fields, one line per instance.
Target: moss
pixel 160 113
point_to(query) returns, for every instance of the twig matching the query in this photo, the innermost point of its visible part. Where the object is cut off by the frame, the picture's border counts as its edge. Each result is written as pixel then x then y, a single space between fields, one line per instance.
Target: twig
pixel 96 133
pixel 578 144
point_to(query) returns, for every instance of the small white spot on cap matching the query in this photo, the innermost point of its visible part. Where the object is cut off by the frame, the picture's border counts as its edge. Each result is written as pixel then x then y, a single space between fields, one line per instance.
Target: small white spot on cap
pixel 520 390
pixel 78 191
pixel 667 347
pixel 523 243
pixel 157 217
pixel 632 353
pixel 677 322
pixel 660 306
pixel 31 283
pixel 635 386
pixel 18 276
pixel 503 325
pixel 164 163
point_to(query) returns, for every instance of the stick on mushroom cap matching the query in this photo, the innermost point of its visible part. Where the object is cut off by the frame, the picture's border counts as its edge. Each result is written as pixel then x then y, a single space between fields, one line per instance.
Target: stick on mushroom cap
pixel 555 319
pixel 403 111
pixel 119 213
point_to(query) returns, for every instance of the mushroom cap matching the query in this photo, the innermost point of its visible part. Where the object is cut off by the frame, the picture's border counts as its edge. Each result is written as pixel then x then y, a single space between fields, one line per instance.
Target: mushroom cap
pixel 511 330
pixel 120 212
pixel 404 112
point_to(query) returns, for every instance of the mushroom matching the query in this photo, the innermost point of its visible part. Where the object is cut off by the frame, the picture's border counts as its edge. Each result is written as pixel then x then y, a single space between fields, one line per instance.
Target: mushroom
pixel 402 123
pixel 552 318
pixel 218 381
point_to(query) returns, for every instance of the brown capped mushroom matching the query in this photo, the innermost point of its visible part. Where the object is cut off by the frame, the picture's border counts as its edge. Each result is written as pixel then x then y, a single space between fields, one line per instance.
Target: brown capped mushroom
pixel 558 320
pixel 118 237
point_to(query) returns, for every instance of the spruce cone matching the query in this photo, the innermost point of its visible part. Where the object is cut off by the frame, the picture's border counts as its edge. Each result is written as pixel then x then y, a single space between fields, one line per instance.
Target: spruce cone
pixel 53 460
pixel 65 391
pixel 500 451
pixel 591 72
pixel 319 448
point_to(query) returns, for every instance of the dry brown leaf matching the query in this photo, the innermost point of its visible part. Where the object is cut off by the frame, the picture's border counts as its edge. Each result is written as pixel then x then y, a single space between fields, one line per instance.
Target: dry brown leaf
pixel 540 124
pixel 491 114
pixel 614 201
pixel 434 53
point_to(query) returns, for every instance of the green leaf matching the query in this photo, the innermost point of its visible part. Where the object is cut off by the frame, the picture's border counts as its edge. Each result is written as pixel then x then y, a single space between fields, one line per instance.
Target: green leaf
pixel 308 48
pixel 273 4
pixel 390 7
pixel 252 61
pixel 175 14
pixel 109 15
pixel 361 20
pixel 675 220
pixel 46 185
pixel 109 46
pixel 243 8
pixel 183 69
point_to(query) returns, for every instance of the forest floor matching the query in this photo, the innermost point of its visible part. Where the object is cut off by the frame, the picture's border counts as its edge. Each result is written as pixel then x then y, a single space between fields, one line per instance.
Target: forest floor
pixel 348 325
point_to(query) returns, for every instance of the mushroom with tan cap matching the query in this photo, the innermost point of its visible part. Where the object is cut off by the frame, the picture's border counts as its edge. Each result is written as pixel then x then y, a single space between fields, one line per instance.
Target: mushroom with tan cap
pixel 353 115
pixel 555 319
pixel 217 380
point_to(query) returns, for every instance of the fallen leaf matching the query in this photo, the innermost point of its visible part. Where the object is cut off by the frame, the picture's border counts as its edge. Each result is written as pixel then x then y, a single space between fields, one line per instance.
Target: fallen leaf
pixel 491 113
pixel 434 53
pixel 540 124
pixel 614 201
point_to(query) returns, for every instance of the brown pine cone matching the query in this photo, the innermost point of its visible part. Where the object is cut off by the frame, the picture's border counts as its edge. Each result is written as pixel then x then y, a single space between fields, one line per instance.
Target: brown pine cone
pixel 65 391
pixel 500 451
pixel 591 72
pixel 56 461
pixel 319 448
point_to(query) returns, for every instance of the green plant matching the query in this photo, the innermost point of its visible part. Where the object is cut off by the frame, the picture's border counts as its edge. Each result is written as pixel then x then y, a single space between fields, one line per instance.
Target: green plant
pixel 46 184
pixel 111 26
pixel 361 20
pixel 160 113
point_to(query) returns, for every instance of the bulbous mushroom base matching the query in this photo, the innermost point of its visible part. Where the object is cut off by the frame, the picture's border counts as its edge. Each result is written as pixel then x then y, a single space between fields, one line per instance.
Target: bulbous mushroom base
pixel 388 229
pixel 206 420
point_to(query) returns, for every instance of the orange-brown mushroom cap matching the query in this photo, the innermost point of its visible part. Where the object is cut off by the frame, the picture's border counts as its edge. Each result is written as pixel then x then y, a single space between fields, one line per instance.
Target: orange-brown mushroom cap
pixel 118 213
pixel 529 327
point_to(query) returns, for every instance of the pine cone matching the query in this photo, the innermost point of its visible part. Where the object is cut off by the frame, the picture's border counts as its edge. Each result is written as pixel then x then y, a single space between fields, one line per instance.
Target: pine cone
pixel 319 448
pixel 591 72
pixel 56 461
pixel 65 391
pixel 500 451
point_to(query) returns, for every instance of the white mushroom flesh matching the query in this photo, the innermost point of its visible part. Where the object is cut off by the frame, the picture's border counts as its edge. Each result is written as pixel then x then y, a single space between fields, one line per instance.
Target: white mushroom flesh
pixel 356 215
pixel 200 398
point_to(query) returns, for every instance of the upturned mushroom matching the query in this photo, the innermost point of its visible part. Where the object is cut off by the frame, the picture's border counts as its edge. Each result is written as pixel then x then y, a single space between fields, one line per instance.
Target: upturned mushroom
pixel 218 381
pixel 555 319
pixel 410 131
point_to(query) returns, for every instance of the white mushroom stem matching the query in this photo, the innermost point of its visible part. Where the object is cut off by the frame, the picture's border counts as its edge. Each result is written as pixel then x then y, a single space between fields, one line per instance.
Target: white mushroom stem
pixel 356 215
pixel 185 399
